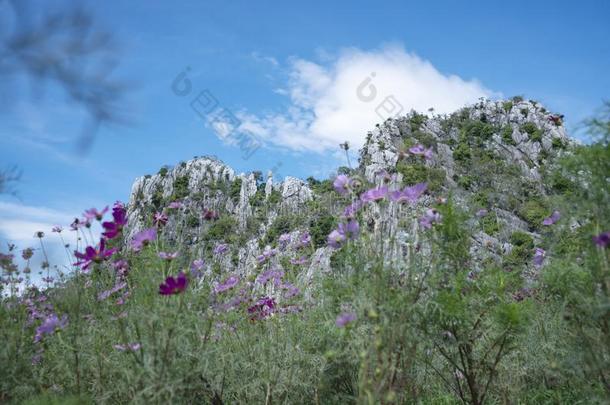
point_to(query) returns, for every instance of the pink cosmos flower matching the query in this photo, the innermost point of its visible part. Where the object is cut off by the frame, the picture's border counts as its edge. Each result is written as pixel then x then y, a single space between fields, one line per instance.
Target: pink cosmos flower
pixel 142 238
pixel 275 275
pixel 168 256
pixel 226 285
pixel 341 184
pixel 93 255
pixel 106 294
pixel 299 261
pixel 221 248
pixel 555 216
pixel 344 319
pixel 174 205
pixel 431 216
pixel 128 347
pixel 350 211
pixel 114 228
pixel 482 213
pixel 284 239
pixel 602 240
pixel 49 326
pixel 174 285
pixel 539 257
pixel 421 151
pixel 374 194
pixel 93 213
pixel 196 268
pixel 267 254
pixel 304 240
pixel 160 219
pixel 262 308
pixel 210 215
pixel 409 194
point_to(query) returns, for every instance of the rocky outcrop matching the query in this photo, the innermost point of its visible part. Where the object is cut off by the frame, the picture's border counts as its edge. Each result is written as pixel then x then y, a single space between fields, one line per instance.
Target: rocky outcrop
pixel 491 155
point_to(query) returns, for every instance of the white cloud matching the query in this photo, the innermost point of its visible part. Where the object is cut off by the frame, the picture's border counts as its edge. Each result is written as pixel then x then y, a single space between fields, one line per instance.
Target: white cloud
pixel 18 225
pixel 342 99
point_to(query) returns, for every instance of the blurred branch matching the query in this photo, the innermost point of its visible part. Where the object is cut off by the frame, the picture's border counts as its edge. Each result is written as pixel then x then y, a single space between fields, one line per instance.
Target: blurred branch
pixel 7 178
pixel 65 48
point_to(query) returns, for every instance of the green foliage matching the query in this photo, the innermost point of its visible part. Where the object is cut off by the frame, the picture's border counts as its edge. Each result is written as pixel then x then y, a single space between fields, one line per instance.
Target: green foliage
pixel 223 228
pixel 507 135
pixel 535 133
pixel 163 171
pixel 284 223
pixel 181 188
pixel 416 121
pixel 490 224
pixel 418 173
pixel 320 227
pixel 507 105
pixel 534 212
pixel 235 189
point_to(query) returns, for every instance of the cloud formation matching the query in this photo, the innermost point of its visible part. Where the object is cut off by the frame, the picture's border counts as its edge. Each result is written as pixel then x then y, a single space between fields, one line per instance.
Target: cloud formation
pixel 341 100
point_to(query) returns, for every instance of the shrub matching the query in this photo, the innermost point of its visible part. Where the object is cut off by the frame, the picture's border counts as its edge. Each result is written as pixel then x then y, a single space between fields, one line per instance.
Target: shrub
pixel 235 189
pixel 181 188
pixel 507 135
pixel 533 212
pixel 490 224
pixel 418 173
pixel 535 134
pixel 223 228
pixel 163 171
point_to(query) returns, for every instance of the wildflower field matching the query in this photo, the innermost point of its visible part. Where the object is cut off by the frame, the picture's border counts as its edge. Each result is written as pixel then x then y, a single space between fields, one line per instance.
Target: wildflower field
pixel 138 318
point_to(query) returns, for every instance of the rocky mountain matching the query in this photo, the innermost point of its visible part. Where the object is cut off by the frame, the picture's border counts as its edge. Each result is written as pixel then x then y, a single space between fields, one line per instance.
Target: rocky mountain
pixel 495 159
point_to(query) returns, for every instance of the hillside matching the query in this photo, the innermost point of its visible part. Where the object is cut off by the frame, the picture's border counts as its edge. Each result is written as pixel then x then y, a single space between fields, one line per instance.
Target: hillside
pixel 463 260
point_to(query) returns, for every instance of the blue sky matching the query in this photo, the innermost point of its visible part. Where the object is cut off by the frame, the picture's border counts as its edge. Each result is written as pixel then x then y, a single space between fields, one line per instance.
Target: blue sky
pixel 289 71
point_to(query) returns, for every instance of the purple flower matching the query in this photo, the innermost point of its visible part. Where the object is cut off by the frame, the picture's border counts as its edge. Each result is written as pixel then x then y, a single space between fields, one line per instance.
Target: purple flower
pixel 267 254
pixel 93 213
pixel 552 219
pixel 602 240
pixel 105 294
pixel 344 319
pixel 431 216
pixel 341 184
pixel 421 151
pixel 93 255
pixel 350 230
pixel 284 239
pixel 539 257
pixel 196 267
pixel 142 238
pixel 305 240
pixel 227 284
pixel 134 347
pixel 57 229
pixel 174 285
pixel 274 275
pixel 299 261
pixel 174 205
pixel 221 248
pixel 335 239
pixel 409 194
pixel 262 308
pixel 168 256
pixel 160 219
pixel 290 290
pixel 482 213
pixel 114 228
pixel 374 194
pixel 351 210
pixel 210 215
pixel 50 325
